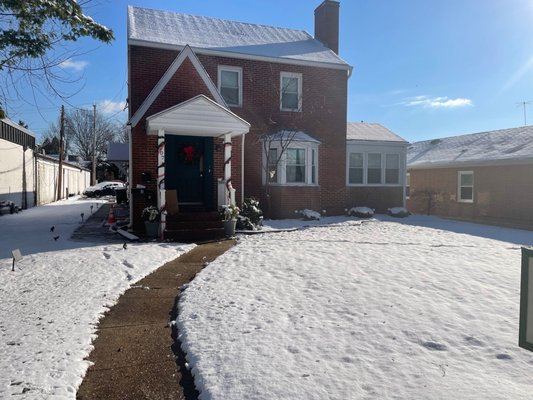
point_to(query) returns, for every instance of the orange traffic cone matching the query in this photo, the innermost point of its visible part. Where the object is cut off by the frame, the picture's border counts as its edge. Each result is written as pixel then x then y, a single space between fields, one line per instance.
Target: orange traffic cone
pixel 111 217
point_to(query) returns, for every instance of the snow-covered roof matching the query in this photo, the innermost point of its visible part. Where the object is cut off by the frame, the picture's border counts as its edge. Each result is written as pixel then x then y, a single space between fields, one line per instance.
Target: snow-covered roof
pixel 293 136
pixel 217 36
pixel 371 132
pixel 17 126
pixel 485 148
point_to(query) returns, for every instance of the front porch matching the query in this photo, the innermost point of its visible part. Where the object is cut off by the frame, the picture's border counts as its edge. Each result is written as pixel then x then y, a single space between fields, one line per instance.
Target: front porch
pixel 194 166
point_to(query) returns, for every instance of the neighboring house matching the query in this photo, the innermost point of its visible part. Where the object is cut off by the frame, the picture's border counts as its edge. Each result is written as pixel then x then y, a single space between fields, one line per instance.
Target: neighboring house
pixel 484 177
pixel 218 107
pixel 28 178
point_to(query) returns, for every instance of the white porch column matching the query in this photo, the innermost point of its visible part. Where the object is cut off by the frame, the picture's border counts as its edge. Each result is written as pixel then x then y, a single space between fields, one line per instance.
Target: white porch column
pixel 230 192
pixel 161 198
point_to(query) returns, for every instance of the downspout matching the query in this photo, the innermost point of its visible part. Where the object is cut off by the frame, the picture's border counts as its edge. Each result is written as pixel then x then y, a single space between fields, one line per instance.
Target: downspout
pixel 242 169
pixel 130 173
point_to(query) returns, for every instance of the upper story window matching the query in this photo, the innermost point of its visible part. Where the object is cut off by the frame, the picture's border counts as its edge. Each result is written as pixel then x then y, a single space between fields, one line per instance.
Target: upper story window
pixel 290 91
pixel 230 84
pixel 374 168
pixel 465 187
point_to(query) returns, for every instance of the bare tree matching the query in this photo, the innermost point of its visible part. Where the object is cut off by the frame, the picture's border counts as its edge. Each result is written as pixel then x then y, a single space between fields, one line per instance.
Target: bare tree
pixel 81 134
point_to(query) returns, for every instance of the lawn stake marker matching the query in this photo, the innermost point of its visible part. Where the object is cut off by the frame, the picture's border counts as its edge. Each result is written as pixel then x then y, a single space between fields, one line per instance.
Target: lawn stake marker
pixel 17 256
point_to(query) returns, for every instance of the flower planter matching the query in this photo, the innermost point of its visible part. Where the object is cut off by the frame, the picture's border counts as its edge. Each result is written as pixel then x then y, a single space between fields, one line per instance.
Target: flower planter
pixel 229 227
pixel 151 229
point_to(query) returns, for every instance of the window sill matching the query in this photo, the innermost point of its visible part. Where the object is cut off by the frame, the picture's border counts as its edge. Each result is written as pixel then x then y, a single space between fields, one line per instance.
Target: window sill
pixel 389 185
pixel 466 201
pixel 294 184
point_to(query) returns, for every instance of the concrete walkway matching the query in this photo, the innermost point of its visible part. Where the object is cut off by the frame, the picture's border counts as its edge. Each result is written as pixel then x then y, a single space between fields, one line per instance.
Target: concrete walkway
pixel 135 355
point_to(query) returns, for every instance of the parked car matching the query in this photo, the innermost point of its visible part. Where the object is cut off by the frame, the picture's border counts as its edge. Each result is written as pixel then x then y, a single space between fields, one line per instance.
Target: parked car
pixel 105 188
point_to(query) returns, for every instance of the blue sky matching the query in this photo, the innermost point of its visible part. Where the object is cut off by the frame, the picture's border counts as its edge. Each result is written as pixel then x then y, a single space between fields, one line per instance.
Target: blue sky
pixel 422 68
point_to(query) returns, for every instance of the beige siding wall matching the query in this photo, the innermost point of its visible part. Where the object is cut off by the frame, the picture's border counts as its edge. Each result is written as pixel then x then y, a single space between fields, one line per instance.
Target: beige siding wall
pixel 503 195
pixel 15 166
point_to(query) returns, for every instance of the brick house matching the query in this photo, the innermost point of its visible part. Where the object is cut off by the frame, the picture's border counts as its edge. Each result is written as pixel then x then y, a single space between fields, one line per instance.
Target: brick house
pixel 483 177
pixel 221 111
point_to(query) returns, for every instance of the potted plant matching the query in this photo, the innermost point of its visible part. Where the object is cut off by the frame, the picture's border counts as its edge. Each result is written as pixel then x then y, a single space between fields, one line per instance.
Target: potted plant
pixel 151 217
pixel 229 215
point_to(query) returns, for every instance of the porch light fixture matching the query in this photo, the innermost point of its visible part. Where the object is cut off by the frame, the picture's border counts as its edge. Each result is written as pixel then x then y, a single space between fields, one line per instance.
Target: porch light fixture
pixel 525 330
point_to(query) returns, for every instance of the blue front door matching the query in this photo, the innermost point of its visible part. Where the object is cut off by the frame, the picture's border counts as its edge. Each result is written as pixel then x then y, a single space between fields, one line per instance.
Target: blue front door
pixel 188 169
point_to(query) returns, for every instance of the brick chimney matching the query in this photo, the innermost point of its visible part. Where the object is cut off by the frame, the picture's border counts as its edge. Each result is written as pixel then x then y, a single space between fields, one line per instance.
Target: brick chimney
pixel 327 24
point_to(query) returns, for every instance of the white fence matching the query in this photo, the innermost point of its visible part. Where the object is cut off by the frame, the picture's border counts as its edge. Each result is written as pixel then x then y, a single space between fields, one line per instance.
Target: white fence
pixel 74 181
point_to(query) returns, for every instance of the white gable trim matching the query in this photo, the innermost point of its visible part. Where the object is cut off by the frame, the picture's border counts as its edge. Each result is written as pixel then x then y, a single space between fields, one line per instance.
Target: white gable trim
pixel 158 88
pixel 198 116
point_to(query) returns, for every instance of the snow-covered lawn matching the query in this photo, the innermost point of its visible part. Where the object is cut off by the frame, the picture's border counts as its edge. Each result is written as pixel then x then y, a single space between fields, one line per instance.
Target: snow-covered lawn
pixel 415 308
pixel 50 305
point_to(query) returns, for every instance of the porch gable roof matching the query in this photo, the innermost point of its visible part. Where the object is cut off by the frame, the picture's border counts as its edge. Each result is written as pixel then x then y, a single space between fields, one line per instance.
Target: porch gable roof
pixel 169 73
pixel 198 116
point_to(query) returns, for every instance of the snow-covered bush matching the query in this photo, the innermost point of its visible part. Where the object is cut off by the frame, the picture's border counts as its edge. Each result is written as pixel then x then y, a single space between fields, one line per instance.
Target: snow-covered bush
pixel 251 216
pixel 398 212
pixel 309 215
pixel 361 212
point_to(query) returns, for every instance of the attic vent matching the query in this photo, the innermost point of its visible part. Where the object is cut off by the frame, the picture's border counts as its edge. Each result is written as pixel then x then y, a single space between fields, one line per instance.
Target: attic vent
pixel 435 141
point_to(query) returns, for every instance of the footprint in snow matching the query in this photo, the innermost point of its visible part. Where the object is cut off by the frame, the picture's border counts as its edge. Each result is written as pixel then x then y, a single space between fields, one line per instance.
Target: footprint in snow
pixel 471 340
pixel 107 256
pixel 503 356
pixel 434 346
pixel 128 264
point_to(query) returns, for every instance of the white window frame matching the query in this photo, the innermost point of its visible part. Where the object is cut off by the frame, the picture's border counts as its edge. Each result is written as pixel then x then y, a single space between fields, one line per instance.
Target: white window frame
pixel 349 167
pixel 408 185
pixel 230 68
pixel 298 76
pixel 281 173
pixel 365 154
pixel 459 186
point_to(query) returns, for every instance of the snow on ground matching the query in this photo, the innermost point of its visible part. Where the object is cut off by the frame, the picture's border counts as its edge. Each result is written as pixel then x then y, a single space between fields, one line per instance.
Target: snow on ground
pixel 51 304
pixel 414 308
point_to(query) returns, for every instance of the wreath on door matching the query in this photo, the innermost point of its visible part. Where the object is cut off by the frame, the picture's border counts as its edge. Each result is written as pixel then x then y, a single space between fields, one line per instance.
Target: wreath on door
pixel 188 153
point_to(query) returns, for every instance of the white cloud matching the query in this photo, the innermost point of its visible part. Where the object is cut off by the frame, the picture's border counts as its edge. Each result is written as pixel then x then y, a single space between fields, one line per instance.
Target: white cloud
pixel 74 65
pixel 110 107
pixel 437 102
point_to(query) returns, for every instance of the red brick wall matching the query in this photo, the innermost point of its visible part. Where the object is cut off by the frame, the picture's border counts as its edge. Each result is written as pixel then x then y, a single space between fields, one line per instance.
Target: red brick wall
pixel 502 194
pixel 379 198
pixel 323 116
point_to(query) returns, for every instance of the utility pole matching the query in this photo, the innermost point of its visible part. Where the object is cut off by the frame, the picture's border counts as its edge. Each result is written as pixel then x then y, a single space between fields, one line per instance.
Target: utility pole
pixel 61 150
pixel 94 144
